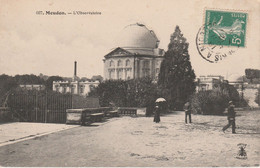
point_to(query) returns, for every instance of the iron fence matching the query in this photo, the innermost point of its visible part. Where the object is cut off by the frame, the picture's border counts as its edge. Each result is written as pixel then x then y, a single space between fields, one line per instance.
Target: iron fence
pixel 35 106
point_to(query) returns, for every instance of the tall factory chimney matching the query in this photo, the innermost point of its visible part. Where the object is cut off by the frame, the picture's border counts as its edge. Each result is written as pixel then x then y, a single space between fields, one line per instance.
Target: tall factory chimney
pixel 75 77
pixel 75 68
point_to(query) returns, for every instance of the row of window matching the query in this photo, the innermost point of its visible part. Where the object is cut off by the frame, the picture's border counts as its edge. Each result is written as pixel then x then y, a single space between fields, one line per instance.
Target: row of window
pixel 120 74
pixel 127 63
pixel 119 63
pixel 72 89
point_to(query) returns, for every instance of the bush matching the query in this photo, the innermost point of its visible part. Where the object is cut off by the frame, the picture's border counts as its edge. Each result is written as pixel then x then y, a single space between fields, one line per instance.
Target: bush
pixel 234 95
pixel 209 102
pixel 132 93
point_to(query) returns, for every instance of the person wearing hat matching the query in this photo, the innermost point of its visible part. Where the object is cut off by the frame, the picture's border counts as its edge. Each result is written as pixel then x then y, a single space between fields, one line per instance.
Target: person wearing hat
pixel 231 118
pixel 187 109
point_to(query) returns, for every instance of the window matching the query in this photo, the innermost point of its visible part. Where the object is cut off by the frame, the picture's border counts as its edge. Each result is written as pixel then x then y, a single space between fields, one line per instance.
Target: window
pixel 81 89
pixel 111 64
pixel 119 63
pixel 112 74
pixel 72 90
pixel 158 63
pixel 120 74
pixel 57 88
pixel 146 69
pixel 91 87
pixel 127 63
pixel 64 89
pixel 128 73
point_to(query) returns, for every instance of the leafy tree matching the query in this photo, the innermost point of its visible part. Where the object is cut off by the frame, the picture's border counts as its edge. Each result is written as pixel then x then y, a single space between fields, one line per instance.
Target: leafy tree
pixel 141 92
pixel 28 79
pixel 176 78
pixel 131 93
pixel 49 81
pixel 97 77
pixel 210 102
pixel 110 91
pixel 252 74
pixel 233 95
pixel 7 83
pixel 84 79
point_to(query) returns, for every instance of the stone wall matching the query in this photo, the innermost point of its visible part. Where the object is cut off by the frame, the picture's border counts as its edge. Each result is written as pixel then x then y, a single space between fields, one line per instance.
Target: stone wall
pixel 250 95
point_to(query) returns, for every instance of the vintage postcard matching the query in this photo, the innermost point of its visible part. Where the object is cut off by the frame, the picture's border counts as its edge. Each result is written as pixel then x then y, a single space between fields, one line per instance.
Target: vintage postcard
pixel 120 83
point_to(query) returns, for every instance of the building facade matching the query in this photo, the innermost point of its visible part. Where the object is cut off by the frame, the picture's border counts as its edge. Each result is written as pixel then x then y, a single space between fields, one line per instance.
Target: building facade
pixel 75 86
pixel 136 56
pixel 32 87
pixel 209 82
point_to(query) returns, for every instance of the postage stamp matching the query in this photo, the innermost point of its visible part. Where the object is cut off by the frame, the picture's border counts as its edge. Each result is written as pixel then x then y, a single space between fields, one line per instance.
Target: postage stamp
pixel 225 28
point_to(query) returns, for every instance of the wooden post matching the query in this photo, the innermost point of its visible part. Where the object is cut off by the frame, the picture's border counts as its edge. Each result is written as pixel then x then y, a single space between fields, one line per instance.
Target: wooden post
pixel 36 99
pixel 46 106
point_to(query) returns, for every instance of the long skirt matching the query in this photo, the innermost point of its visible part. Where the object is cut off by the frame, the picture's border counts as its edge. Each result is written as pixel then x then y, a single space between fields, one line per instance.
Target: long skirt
pixel 156 117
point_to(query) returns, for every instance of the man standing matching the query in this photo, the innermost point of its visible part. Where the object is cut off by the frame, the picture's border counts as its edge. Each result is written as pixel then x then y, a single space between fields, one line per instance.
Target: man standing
pixel 187 108
pixel 231 118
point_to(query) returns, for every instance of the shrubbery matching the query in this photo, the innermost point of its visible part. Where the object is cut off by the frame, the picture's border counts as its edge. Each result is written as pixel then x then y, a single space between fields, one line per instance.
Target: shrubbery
pixel 209 102
pixel 132 93
pixel 215 101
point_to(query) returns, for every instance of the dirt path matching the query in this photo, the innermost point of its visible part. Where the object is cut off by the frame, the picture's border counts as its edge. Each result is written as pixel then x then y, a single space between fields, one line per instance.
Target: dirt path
pixel 128 141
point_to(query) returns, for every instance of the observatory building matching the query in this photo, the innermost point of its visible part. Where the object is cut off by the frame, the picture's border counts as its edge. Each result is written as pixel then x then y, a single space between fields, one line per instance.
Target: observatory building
pixel 136 55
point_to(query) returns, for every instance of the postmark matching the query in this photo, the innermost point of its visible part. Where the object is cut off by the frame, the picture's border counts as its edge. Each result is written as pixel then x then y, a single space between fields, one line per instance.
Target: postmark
pixel 225 28
pixel 212 53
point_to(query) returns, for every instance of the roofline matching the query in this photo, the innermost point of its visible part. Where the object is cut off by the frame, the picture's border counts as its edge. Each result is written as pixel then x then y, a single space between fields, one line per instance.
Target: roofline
pixel 137 55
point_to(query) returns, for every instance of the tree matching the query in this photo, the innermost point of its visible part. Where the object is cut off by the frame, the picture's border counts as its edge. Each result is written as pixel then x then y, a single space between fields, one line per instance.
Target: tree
pixel 49 81
pixel 97 77
pixel 7 83
pixel 252 74
pixel 28 79
pixel 132 93
pixel 176 77
pixel 110 91
pixel 210 102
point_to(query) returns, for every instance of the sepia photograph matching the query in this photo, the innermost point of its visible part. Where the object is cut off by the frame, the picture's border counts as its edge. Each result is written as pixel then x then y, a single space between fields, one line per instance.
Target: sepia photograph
pixel 120 83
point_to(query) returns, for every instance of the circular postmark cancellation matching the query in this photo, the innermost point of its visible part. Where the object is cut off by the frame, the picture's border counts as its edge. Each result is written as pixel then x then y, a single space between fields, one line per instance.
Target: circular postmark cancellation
pixel 212 53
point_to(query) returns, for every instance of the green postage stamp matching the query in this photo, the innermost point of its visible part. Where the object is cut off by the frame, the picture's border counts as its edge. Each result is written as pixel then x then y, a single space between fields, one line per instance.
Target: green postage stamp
pixel 225 28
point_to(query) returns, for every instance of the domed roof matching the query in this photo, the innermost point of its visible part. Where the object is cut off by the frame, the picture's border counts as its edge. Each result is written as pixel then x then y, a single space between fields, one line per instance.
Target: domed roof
pixel 137 36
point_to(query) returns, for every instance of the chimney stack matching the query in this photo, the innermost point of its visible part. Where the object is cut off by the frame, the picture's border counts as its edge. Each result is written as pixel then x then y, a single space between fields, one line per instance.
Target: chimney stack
pixel 75 68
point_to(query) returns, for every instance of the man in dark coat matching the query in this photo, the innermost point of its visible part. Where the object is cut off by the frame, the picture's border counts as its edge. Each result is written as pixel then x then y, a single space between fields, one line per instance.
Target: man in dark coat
pixel 231 118
pixel 187 108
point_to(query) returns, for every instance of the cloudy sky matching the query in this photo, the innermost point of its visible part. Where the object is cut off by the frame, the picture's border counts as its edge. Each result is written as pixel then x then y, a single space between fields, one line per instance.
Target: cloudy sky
pixel 34 44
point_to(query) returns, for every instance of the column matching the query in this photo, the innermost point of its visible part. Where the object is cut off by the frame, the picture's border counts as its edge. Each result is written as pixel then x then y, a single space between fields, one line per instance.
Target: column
pixel 140 75
pixel 151 68
pixel 136 69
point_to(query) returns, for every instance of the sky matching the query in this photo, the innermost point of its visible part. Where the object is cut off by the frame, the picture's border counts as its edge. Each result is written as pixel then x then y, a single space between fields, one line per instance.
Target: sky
pixel 49 44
